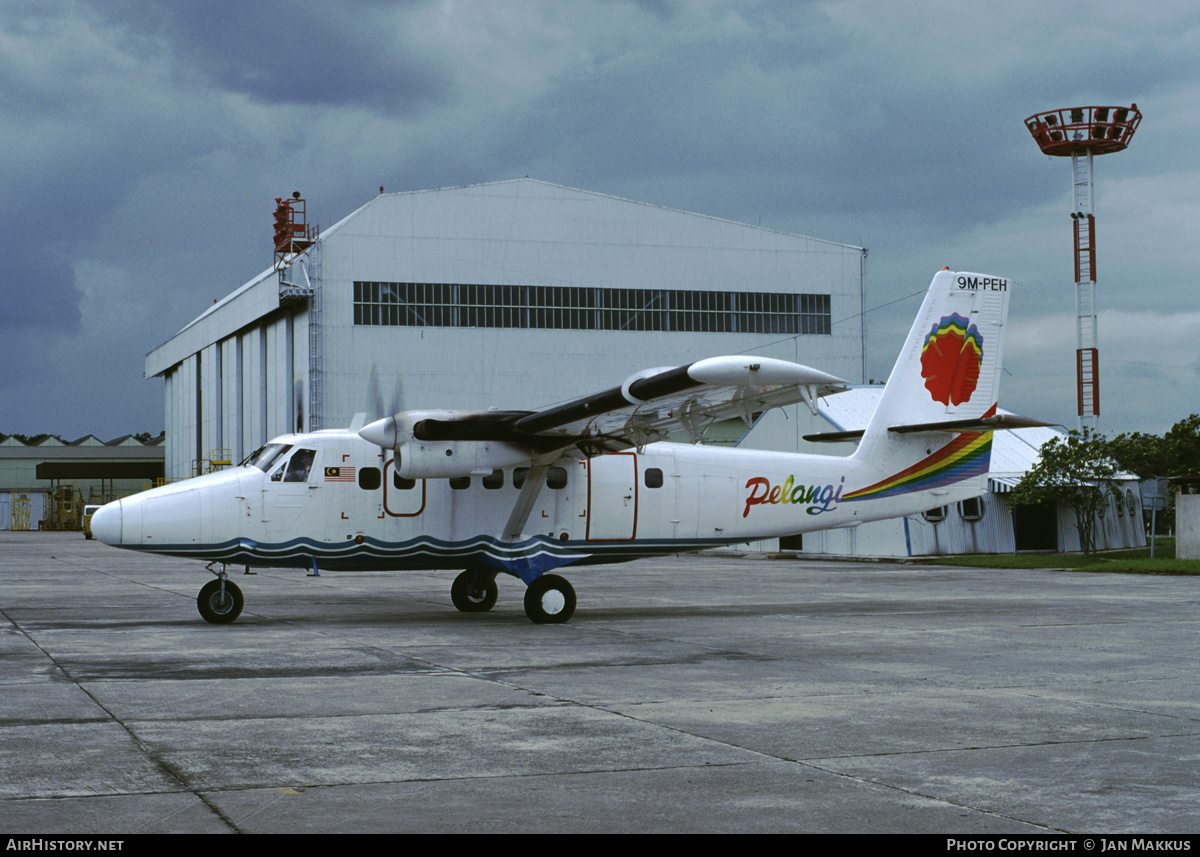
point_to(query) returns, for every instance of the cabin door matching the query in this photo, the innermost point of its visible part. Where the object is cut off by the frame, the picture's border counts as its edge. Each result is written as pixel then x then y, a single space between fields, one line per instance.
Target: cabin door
pixel 612 497
pixel 288 491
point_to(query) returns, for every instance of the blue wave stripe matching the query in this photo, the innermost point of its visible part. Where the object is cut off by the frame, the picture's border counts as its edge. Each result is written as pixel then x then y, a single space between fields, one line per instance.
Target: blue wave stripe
pixel 525 559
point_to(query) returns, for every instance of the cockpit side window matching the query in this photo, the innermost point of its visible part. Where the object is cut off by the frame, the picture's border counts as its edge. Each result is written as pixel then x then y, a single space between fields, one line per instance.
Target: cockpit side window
pixel 267 456
pixel 300 466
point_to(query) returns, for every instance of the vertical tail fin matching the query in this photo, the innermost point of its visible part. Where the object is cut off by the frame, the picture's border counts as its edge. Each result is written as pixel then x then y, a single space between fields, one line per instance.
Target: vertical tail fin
pixel 949 367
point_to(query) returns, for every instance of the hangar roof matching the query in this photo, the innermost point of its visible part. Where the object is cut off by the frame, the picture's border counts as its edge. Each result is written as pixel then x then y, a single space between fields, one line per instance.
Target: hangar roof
pixel 489 212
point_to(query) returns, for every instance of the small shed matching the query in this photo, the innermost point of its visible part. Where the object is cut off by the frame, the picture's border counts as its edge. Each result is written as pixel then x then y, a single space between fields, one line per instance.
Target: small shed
pixel 1187 516
pixel 46 481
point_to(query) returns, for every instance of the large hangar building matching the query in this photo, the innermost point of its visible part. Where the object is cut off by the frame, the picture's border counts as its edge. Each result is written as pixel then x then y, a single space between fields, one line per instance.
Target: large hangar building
pixel 514 295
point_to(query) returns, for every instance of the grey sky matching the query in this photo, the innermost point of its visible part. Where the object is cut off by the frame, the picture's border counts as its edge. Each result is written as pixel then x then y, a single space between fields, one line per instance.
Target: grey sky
pixel 144 142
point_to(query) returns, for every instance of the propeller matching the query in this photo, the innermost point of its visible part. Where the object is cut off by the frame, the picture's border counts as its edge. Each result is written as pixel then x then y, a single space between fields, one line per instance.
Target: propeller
pixel 375 403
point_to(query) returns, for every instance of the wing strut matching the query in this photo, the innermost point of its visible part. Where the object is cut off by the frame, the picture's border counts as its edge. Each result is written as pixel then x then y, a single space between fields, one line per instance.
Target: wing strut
pixel 534 480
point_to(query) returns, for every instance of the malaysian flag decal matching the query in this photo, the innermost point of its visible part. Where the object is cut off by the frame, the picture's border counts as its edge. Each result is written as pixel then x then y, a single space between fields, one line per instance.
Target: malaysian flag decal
pixel 339 474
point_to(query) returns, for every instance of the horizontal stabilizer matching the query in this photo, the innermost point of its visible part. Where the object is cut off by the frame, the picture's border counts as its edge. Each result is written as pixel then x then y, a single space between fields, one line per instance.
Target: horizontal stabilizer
pixel 998 422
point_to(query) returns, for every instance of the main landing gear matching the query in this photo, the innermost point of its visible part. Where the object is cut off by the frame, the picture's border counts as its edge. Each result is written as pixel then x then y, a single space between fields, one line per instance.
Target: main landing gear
pixel 549 599
pixel 474 592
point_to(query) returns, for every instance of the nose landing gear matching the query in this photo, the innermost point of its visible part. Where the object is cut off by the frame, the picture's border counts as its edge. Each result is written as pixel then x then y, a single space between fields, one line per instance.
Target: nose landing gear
pixel 220 601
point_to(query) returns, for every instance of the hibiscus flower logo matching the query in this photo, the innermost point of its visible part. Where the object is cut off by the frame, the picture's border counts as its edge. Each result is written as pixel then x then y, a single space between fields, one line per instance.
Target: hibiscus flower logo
pixel 950 360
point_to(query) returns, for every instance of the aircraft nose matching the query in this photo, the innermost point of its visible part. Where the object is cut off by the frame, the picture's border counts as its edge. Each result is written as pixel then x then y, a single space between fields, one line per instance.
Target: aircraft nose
pixel 106 523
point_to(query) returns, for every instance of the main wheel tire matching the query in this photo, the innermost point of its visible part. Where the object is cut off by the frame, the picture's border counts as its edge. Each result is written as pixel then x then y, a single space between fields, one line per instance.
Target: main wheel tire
pixel 218 609
pixel 471 595
pixel 550 600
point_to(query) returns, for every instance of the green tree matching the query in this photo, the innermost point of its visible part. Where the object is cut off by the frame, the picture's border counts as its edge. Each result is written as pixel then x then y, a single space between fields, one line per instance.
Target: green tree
pixel 1176 453
pixel 1077 470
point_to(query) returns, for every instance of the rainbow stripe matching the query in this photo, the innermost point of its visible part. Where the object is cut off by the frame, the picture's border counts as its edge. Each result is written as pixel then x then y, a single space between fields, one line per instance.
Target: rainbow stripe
pixel 968 455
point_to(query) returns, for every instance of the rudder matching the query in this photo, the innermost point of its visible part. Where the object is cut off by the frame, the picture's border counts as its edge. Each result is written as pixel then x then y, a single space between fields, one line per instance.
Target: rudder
pixel 949 367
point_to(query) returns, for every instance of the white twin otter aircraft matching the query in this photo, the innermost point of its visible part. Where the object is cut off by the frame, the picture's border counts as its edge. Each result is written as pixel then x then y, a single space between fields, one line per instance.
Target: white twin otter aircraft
pixel 592 481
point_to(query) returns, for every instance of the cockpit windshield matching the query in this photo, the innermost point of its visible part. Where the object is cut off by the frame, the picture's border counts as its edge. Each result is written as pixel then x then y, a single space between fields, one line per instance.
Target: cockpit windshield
pixel 267 455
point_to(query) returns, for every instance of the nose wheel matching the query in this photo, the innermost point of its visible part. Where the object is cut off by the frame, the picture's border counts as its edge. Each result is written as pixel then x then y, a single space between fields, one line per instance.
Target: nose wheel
pixel 550 600
pixel 220 601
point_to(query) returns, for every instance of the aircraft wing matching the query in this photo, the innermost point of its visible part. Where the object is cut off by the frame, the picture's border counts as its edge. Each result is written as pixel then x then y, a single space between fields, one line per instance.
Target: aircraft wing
pixel 645 409
pixel 652 404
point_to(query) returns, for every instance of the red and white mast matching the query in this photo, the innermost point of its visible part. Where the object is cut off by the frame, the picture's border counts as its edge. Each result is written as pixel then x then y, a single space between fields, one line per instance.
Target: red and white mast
pixel 1081 133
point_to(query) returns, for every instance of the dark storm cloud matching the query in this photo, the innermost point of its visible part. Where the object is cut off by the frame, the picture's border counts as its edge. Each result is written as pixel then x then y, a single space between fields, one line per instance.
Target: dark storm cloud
pixel 145 139
pixel 37 285
pixel 85 122
pixel 787 115
pixel 310 53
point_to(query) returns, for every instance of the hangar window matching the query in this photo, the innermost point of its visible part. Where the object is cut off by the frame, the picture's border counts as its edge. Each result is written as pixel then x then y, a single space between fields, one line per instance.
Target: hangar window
pixel 935 516
pixel 582 308
pixel 971 510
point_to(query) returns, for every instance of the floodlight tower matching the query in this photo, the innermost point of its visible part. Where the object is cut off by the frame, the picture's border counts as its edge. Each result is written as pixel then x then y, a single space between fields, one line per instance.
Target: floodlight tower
pixel 1081 133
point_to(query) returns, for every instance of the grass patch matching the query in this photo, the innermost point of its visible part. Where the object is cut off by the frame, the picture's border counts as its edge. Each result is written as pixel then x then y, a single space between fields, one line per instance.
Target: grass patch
pixel 1133 561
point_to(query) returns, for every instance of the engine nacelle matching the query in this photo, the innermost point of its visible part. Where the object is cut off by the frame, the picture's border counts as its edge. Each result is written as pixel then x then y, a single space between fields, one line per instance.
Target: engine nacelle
pixel 446 444
pixel 417 459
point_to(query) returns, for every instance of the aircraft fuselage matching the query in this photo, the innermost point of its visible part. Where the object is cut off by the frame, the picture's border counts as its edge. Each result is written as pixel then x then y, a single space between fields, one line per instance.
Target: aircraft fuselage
pixel 333 499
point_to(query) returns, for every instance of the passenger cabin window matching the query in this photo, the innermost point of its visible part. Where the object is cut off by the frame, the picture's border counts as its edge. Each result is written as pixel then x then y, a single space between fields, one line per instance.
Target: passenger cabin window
pixel 556 477
pixel 654 477
pixel 369 478
pixel 494 480
pixel 460 483
pixel 401 483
